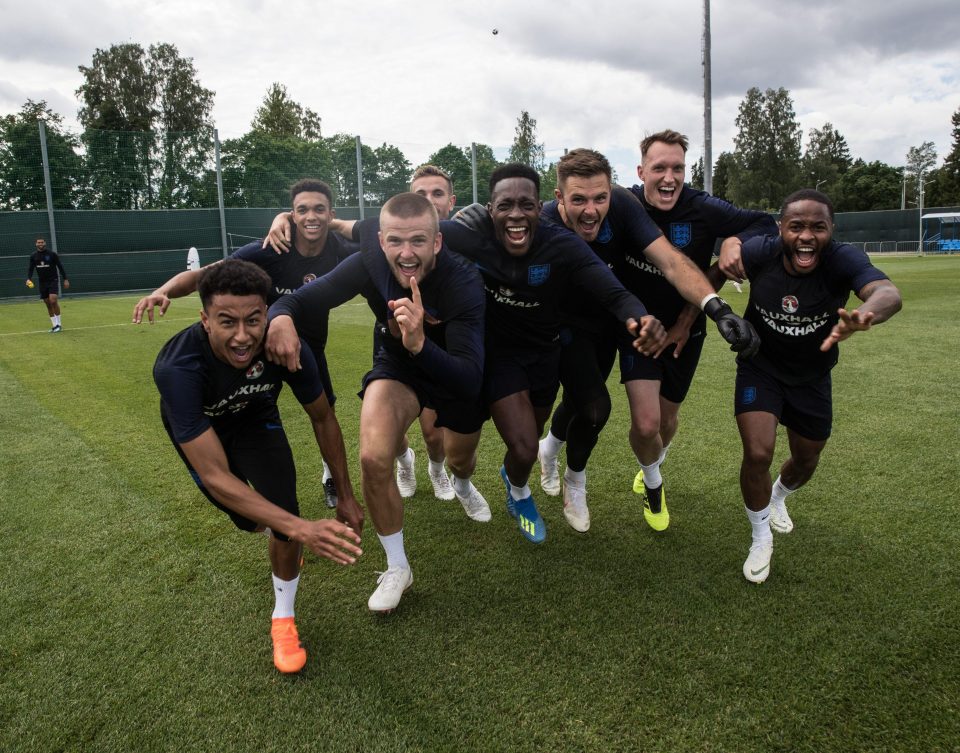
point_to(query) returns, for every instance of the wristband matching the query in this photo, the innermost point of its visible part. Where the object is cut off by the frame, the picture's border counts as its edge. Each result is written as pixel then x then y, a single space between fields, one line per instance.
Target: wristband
pixel 706 300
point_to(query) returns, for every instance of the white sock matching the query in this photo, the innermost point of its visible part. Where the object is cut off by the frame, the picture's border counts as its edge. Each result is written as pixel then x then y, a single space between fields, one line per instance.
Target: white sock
pixel 326 472
pixel 575 478
pixel 436 468
pixel 550 445
pixel 651 475
pixel 461 485
pixel 760 522
pixel 393 546
pixel 663 454
pixel 520 492
pixel 284 593
pixel 406 458
pixel 779 493
pixel 58 319
pixel 53 321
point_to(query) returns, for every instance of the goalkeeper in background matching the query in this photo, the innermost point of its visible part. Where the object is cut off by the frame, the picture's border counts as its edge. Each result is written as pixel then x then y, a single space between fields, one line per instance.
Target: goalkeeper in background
pixel 49 270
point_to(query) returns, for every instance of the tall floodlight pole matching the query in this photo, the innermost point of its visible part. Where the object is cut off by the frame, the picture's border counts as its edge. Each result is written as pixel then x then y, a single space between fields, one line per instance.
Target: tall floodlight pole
pixel 707 104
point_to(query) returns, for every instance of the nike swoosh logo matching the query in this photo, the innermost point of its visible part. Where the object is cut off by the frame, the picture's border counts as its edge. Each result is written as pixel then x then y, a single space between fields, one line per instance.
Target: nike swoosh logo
pixel 757 572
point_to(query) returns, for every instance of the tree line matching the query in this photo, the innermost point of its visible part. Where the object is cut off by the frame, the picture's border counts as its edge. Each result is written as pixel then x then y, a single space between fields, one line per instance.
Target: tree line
pixel 148 143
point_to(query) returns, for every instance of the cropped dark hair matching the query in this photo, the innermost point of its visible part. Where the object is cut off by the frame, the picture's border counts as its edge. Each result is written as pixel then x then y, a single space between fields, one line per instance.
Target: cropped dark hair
pixel 514 170
pixel 409 205
pixel 232 277
pixel 807 194
pixel 312 185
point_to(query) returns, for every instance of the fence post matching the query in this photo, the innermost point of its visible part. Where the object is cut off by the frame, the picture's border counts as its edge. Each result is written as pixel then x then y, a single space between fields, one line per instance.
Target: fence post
pixel 46 185
pixel 223 216
pixel 359 178
pixel 473 168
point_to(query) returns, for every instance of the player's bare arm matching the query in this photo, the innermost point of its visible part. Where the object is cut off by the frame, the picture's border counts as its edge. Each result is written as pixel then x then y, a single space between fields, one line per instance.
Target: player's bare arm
pixel 333 450
pixel 730 264
pixel 177 286
pixel 283 343
pixel 881 300
pixel 331 539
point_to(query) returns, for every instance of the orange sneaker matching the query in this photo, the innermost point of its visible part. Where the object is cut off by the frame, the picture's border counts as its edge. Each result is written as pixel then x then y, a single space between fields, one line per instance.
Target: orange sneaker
pixel 288 655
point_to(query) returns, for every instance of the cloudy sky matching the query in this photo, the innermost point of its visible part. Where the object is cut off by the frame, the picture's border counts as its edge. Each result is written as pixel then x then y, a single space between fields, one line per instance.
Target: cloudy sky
pixel 422 73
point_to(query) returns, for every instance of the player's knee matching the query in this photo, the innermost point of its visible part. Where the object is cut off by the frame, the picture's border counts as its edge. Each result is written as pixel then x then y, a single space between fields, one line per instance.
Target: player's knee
pixel 757 455
pixel 375 464
pixel 524 450
pixel 645 426
pixel 597 412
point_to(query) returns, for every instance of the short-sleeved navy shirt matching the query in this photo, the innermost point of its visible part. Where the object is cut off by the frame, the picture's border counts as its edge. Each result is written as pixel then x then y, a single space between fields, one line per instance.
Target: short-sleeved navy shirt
pixel 694 225
pixel 199 391
pixel 293 270
pixel 524 293
pixel 794 313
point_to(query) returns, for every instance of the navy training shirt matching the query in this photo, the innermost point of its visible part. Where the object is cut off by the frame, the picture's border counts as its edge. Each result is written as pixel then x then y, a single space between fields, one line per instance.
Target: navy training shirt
pixel 524 293
pixel 626 230
pixel 794 313
pixel 199 391
pixel 694 225
pixel 293 270
pixel 46 263
pixel 453 302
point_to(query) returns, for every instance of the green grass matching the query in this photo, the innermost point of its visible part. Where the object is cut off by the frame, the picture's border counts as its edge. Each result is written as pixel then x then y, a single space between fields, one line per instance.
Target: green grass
pixel 134 617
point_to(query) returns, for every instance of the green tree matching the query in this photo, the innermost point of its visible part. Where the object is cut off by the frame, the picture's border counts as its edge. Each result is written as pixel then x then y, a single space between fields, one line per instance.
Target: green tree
pixel 767 149
pixel 283 117
pixel 392 173
pixel 696 175
pixel 343 152
pixel 486 164
pixel 21 165
pixel 826 158
pixel 920 161
pixel 525 148
pixel 457 164
pixel 867 186
pixel 149 134
pixel 944 187
pixel 723 171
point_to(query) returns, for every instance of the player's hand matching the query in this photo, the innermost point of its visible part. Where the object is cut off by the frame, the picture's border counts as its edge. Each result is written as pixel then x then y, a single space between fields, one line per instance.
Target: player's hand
pixel 730 262
pixel 66 284
pixel 350 512
pixel 648 333
pixel 332 539
pixel 29 283
pixel 283 343
pixel 736 330
pixel 280 234
pixel 678 334
pixel 408 314
pixel 850 322
pixel 147 304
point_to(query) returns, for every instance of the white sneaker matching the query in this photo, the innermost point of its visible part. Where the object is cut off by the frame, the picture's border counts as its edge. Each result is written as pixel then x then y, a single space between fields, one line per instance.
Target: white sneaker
pixel 474 505
pixel 757 566
pixel 575 508
pixel 390 587
pixel 780 518
pixel 549 471
pixel 442 488
pixel 407 477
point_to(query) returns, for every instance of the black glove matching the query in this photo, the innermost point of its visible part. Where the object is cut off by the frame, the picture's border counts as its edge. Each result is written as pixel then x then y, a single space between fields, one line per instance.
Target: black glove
pixel 735 330
pixel 475 217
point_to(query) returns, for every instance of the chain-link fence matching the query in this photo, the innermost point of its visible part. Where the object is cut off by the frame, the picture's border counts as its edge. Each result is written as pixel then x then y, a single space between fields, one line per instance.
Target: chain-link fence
pixel 122 209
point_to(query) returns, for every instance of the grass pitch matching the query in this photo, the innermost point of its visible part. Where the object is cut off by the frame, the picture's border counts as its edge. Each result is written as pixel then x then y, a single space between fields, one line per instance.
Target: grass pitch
pixel 134 617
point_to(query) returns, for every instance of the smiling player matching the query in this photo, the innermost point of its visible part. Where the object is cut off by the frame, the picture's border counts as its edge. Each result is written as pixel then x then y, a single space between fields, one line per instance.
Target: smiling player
pixel 799 283
pixel 218 403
